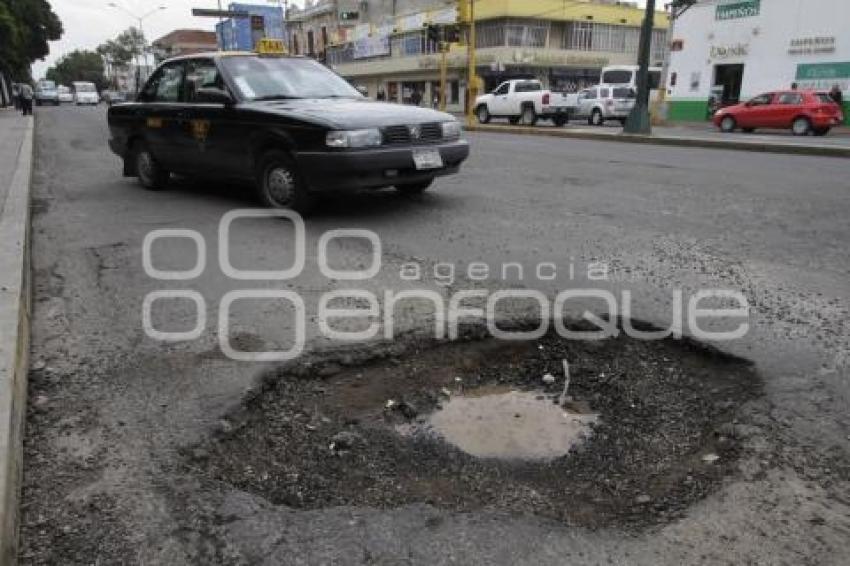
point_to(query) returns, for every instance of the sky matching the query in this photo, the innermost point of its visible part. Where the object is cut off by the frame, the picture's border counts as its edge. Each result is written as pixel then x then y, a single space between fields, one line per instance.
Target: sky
pixel 88 23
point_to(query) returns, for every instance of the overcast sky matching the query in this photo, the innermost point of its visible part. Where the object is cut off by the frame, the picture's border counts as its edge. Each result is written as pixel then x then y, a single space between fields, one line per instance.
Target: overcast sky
pixel 88 23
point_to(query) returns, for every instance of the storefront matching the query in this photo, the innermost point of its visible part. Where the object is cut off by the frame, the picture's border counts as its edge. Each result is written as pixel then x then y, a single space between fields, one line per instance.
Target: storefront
pixel 733 50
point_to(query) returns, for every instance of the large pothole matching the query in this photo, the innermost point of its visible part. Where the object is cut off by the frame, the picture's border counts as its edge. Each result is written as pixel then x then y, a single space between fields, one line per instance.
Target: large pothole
pixel 648 429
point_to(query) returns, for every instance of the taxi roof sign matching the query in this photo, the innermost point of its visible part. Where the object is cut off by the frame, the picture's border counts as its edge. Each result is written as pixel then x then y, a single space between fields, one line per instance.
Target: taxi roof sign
pixel 269 46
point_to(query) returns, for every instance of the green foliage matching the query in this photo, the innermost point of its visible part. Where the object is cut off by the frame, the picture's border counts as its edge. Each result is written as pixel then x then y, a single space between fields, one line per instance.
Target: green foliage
pixel 25 28
pixel 79 65
pixel 119 52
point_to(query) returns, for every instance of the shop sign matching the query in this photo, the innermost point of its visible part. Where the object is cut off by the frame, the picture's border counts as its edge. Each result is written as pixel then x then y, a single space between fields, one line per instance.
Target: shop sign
pixel 811 45
pixel 824 75
pixel 738 10
pixel 729 51
pixel 371 47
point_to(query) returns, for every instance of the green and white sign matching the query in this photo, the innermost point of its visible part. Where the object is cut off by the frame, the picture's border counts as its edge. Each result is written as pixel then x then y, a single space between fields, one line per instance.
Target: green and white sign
pixel 737 10
pixel 823 71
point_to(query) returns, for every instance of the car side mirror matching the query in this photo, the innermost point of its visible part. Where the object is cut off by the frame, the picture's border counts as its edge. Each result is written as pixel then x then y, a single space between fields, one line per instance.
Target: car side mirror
pixel 213 95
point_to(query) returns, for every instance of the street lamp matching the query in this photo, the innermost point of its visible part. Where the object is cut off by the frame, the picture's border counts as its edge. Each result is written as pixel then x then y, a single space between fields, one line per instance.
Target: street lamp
pixel 140 19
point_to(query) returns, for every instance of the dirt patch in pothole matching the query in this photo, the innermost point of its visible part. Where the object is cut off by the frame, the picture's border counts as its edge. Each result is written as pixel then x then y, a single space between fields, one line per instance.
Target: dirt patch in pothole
pixel 320 433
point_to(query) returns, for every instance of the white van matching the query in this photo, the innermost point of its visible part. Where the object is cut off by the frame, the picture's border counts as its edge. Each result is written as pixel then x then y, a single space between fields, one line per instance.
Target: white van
pixel 85 93
pixel 626 75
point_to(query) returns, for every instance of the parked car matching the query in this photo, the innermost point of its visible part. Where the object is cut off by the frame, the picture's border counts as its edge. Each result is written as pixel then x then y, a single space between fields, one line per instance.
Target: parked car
pixel 523 101
pixel 288 124
pixel 801 111
pixel 46 93
pixel 111 97
pixel 65 94
pixel 598 104
pixel 85 93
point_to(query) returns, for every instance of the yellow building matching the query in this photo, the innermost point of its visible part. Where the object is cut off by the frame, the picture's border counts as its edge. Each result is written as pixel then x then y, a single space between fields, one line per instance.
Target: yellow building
pixel 564 43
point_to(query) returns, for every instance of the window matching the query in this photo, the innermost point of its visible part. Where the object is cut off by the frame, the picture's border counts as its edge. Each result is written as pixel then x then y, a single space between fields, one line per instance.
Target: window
pixel 503 89
pixel 761 100
pixel 164 85
pixel 617 77
pixel 604 93
pixel 260 78
pixel 790 98
pixel 201 73
pixel 623 92
pixel 528 86
pixel 589 94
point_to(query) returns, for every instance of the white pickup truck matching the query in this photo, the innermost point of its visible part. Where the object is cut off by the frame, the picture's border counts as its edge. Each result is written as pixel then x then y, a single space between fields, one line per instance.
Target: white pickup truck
pixel 524 101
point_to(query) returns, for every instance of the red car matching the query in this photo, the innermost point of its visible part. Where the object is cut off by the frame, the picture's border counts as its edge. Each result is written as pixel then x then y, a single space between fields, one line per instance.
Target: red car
pixel 801 111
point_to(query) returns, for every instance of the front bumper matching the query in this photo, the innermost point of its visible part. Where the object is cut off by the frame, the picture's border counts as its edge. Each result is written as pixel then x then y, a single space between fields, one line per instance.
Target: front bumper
pixel 375 168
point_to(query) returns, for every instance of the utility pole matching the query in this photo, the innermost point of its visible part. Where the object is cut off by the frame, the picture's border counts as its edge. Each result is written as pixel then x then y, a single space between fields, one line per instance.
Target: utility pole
pixel 638 121
pixel 467 9
pixel 677 8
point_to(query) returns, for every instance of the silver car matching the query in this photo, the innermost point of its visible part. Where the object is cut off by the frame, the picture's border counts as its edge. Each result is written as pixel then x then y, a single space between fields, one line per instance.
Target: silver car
pixel 600 103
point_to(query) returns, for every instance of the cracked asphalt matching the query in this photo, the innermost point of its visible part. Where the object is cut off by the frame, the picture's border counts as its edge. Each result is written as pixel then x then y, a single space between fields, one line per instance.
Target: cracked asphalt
pixel 111 410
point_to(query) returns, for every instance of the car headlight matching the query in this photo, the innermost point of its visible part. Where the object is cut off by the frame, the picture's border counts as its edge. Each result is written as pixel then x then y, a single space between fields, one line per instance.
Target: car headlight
pixel 451 130
pixel 354 138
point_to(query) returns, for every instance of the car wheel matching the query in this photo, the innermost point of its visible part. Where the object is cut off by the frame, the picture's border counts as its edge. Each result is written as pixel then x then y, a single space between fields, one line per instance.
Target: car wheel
pixel 514 121
pixel 801 126
pixel 150 173
pixel 483 114
pixel 727 124
pixel 560 121
pixel 821 131
pixel 528 116
pixel 414 188
pixel 280 185
pixel 596 118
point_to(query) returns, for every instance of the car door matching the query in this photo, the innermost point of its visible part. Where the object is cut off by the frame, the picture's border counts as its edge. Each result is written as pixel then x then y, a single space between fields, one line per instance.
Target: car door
pixel 215 142
pixel 500 100
pixel 788 105
pixel 162 117
pixel 586 100
pixel 756 112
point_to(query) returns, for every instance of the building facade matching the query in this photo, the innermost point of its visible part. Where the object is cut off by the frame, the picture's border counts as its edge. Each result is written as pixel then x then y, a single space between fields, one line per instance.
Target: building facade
pixel 735 49
pixel 184 42
pixel 383 45
pixel 242 34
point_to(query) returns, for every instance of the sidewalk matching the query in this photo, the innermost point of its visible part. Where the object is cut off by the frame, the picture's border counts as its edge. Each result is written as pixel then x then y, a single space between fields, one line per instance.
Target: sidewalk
pixel 835 144
pixel 16 151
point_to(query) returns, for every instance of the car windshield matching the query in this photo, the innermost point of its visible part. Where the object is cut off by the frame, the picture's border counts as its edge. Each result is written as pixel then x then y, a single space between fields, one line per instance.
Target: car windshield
pixel 259 78
pixel 84 87
pixel 624 93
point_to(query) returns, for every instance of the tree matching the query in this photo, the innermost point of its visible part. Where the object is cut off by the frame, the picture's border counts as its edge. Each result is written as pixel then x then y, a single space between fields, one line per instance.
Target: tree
pixel 79 65
pixel 26 27
pixel 119 52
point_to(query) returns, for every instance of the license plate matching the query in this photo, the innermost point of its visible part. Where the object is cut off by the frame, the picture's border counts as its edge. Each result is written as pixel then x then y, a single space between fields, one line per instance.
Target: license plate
pixel 427 159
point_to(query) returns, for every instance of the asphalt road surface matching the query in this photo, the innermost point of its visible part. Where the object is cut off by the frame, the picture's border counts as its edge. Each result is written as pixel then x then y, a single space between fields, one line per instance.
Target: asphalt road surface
pixel 112 410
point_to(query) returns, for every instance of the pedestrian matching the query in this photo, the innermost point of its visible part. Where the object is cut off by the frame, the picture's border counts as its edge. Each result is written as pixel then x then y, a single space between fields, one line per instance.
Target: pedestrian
pixel 16 96
pixel 26 96
pixel 416 97
pixel 836 95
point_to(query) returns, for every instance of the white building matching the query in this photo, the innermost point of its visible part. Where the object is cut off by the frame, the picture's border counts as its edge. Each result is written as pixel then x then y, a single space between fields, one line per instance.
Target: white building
pixel 737 49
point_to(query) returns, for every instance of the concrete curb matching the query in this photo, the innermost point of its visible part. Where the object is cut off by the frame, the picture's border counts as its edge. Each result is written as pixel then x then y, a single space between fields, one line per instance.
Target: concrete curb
pixel 15 305
pixel 675 141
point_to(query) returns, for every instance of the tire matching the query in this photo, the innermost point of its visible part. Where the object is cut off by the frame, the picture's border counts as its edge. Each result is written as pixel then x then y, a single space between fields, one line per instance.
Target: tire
pixel 821 131
pixel 483 114
pixel 801 126
pixel 728 125
pixel 150 174
pixel 596 118
pixel 622 121
pixel 528 116
pixel 280 184
pixel 559 121
pixel 513 120
pixel 412 189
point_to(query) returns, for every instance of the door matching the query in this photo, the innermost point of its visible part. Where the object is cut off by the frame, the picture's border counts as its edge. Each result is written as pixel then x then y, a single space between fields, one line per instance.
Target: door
pixel 501 105
pixel 787 107
pixel 586 101
pixel 213 141
pixel 730 77
pixel 756 112
pixel 161 115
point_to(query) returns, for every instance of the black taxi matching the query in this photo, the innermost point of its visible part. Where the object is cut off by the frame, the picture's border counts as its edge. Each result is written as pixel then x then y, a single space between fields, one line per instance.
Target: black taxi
pixel 288 124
